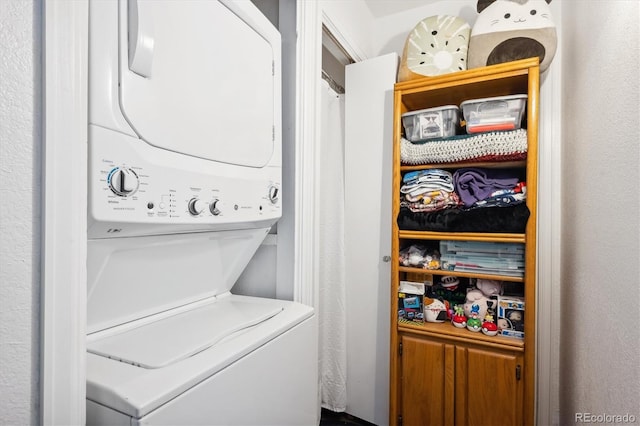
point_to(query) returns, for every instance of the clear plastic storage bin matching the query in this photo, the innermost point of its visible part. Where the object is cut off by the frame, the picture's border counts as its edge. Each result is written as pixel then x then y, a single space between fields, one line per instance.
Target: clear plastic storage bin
pixel 492 114
pixel 431 123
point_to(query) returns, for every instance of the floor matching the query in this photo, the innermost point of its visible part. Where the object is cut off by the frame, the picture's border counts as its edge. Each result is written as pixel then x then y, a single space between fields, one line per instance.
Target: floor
pixel 330 418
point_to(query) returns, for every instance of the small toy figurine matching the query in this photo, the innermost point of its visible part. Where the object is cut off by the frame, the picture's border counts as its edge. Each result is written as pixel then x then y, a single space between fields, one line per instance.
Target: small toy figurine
pixel 516 319
pixel 476 298
pixel 475 309
pixel 434 310
pixel 504 324
pixel 449 283
pixel 488 326
pixel 473 323
pixel 458 319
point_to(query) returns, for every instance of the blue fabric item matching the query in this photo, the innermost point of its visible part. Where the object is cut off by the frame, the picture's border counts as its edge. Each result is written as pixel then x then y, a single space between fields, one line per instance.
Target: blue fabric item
pixel 427 175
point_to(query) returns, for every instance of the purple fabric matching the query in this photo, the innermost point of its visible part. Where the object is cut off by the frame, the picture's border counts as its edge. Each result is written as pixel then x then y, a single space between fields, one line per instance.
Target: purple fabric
pixel 474 184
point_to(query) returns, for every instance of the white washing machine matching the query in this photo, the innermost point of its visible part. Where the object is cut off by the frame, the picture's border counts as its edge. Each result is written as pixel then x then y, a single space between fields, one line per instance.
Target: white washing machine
pixel 184 184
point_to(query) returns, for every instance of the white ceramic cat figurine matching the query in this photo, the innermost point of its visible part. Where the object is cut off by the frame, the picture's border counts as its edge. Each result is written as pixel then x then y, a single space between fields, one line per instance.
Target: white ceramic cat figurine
pixel 508 30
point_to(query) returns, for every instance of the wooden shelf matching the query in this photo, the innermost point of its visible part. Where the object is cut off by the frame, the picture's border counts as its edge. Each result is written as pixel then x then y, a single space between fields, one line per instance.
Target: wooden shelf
pixel 484 164
pixel 453 89
pixel 462 236
pixel 447 331
pixel 461 274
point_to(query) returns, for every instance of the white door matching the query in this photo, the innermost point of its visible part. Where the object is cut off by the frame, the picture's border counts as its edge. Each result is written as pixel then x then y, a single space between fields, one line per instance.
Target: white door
pixel 178 59
pixel 368 171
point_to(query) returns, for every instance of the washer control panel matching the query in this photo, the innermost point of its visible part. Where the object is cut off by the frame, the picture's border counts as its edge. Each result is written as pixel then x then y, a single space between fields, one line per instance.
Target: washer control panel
pixel 137 189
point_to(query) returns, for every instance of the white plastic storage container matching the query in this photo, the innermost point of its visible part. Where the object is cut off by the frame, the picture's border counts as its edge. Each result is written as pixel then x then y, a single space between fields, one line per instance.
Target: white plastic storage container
pixel 492 114
pixel 431 123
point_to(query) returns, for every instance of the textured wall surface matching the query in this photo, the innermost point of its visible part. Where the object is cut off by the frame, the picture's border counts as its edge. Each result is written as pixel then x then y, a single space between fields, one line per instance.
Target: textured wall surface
pixel 20 164
pixel 600 338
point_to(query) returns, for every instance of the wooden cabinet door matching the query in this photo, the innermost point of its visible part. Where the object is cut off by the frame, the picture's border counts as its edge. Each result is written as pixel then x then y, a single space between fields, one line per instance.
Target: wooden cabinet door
pixel 489 387
pixel 427 382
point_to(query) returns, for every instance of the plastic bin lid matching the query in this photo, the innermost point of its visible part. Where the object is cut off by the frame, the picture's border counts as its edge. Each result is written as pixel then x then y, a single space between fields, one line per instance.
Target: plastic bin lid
pixel 442 108
pixel 497 98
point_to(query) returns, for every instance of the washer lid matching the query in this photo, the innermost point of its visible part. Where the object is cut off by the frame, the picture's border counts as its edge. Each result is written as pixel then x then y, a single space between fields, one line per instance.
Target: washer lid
pixel 133 278
pixel 201 78
pixel 138 391
pixel 161 343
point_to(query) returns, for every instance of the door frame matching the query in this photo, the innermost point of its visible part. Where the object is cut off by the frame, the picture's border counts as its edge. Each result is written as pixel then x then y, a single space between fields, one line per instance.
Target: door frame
pixel 307 133
pixel 64 213
pixel 310 19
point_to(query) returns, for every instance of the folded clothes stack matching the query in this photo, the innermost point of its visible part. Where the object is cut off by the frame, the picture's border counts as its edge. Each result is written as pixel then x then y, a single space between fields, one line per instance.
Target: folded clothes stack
pixel 489 187
pixel 428 191
pixel 511 219
pixel 469 200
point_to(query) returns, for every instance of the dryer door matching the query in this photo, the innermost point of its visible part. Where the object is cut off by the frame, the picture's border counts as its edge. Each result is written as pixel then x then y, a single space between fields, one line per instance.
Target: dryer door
pixel 201 78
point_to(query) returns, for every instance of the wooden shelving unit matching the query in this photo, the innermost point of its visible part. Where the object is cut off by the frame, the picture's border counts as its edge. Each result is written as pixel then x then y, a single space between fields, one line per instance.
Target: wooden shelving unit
pixel 440 374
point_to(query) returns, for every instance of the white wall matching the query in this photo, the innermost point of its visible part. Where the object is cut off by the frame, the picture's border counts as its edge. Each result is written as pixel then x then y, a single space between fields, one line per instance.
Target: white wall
pixel 20 163
pixel 600 338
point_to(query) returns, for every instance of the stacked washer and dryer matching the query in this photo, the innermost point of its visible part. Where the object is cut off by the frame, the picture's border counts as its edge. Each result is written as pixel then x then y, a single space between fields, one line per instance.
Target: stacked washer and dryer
pixel 184 184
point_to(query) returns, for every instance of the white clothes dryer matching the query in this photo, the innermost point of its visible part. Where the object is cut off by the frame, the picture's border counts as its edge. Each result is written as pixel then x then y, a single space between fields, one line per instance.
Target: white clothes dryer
pixel 184 184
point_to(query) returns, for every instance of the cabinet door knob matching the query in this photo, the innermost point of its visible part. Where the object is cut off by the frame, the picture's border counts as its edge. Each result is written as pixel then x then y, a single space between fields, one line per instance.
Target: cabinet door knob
pixel 386 258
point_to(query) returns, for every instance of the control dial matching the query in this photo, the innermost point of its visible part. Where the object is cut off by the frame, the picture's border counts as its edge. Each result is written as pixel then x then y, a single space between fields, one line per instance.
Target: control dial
pixel 196 206
pixel 215 206
pixel 123 181
pixel 274 194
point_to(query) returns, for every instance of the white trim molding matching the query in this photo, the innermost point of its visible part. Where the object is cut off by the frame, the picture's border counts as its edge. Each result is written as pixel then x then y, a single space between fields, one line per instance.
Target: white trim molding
pixel 310 19
pixel 549 246
pixel 308 78
pixel 548 307
pixel 63 293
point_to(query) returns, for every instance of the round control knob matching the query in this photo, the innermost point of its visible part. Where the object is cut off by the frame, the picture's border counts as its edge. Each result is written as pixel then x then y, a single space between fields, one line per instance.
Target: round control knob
pixel 214 207
pixel 196 206
pixel 123 181
pixel 274 193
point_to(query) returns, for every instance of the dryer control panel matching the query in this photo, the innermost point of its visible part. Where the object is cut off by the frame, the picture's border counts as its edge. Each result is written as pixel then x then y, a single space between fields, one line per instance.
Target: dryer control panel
pixel 137 189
